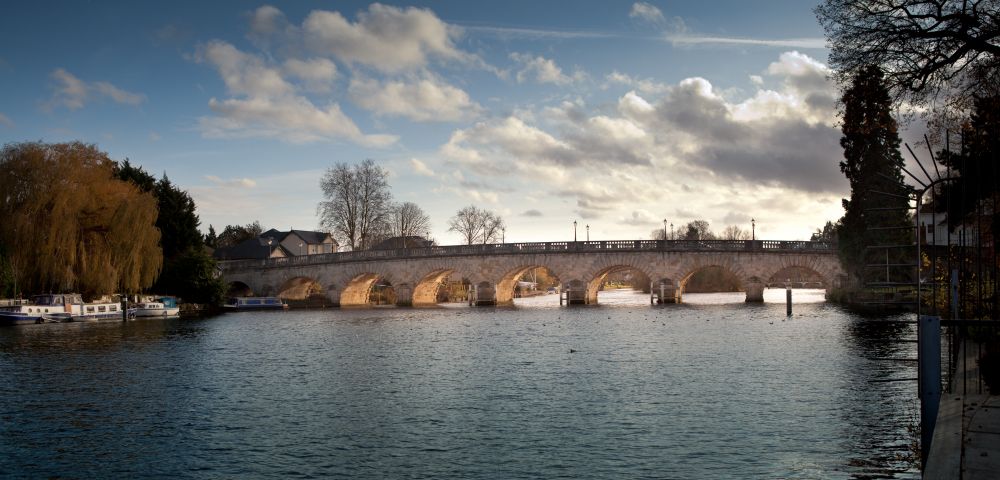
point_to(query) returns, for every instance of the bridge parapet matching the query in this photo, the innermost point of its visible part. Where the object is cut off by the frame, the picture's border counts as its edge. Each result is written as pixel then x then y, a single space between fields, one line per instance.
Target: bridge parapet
pixel 530 248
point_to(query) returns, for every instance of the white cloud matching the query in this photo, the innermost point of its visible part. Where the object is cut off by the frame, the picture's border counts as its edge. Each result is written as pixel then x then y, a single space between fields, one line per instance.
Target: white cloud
pixel 235 182
pixel 543 70
pixel 646 12
pixel 387 38
pixel 423 99
pixel 615 161
pixel 317 73
pixel 640 218
pixel 421 168
pixel 73 93
pixel 154 137
pixel 684 39
pixel 267 105
pixel 647 85
pixel 6 121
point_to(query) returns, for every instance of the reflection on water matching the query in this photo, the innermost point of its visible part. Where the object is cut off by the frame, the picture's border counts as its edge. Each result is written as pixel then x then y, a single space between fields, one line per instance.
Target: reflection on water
pixel 709 388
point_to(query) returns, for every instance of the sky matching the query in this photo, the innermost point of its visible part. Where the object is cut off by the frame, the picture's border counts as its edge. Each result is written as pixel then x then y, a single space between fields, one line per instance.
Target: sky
pixel 616 115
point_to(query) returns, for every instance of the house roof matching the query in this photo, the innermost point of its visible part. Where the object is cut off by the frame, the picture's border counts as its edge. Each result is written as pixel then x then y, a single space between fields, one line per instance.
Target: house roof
pixel 254 248
pixel 308 236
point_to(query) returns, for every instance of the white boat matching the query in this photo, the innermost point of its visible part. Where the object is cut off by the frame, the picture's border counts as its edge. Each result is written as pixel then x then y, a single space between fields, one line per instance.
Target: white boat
pixel 159 307
pixel 60 307
pixel 255 303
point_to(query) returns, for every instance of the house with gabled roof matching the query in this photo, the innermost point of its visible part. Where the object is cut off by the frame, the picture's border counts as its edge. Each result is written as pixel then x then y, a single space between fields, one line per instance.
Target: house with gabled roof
pixel 302 242
pixel 253 249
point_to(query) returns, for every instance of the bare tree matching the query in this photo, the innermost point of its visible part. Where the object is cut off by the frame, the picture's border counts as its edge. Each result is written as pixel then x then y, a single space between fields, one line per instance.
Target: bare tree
pixel 477 225
pixel 407 219
pixel 926 47
pixel 734 232
pixel 492 227
pixel 468 223
pixel 658 234
pixel 357 203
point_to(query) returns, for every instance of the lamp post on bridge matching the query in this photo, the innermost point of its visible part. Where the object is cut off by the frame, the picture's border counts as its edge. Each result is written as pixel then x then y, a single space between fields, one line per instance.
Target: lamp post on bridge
pixel 671 230
pixel 503 234
pixel 588 232
pixel 574 230
pixel 753 229
pixel 665 228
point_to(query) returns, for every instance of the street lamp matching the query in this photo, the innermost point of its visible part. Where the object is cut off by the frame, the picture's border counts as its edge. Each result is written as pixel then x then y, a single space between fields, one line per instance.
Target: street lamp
pixel 503 234
pixel 270 251
pixel 753 229
pixel 664 228
pixel 574 230
pixel 588 232
pixel 671 230
pixel 302 249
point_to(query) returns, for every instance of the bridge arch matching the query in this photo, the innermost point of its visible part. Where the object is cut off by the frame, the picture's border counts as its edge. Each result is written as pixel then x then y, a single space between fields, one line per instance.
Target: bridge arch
pixel 505 286
pixel 800 275
pixel 597 278
pixel 358 288
pixel 300 288
pixel 425 290
pixel 748 282
pixel 237 288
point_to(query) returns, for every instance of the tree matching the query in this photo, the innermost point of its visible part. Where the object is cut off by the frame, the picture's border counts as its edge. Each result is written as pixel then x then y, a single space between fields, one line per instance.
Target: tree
pixel 178 222
pixel 357 203
pixel 658 234
pixel 827 234
pixel 211 239
pixel 927 47
pixel 976 167
pixel 236 234
pixel 407 219
pixel 477 225
pixel 69 224
pixel 193 276
pixel 467 223
pixel 872 164
pixel 698 230
pixel 734 232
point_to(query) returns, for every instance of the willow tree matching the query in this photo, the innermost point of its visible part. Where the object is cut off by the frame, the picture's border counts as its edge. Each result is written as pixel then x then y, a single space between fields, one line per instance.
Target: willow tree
pixel 70 225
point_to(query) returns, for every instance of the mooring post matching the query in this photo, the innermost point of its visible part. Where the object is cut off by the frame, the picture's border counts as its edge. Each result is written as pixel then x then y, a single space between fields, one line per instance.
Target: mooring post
pixel 928 377
pixel 788 301
pixel 954 294
pixel 662 298
pixel 650 292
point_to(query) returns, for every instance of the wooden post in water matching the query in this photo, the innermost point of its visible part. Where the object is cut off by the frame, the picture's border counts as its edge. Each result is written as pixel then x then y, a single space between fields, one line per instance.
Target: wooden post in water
pixel 788 299
pixel 651 293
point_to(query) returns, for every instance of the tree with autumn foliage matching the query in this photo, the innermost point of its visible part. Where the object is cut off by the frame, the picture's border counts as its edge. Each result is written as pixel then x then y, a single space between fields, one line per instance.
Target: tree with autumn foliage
pixel 70 225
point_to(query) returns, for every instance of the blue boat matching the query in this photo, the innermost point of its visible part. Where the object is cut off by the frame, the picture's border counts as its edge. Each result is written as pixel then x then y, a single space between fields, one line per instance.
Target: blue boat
pixel 255 303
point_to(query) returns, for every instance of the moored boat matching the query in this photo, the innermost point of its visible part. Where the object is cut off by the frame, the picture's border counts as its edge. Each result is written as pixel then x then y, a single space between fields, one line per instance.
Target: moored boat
pixel 255 303
pixel 159 307
pixel 62 307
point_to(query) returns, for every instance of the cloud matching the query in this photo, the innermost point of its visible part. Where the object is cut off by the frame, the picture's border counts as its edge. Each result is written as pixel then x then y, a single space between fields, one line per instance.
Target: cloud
pixel 235 182
pixel 6 121
pixel 531 213
pixel 647 85
pixel 536 33
pixel 646 12
pixel 421 168
pixel 265 104
pixel 650 148
pixel 640 218
pixel 154 137
pixel 543 70
pixel 387 38
pixel 684 39
pixel 72 93
pixel 318 74
pixel 426 99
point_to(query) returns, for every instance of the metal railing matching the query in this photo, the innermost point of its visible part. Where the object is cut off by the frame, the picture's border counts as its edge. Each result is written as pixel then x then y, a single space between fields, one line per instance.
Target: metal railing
pixel 603 246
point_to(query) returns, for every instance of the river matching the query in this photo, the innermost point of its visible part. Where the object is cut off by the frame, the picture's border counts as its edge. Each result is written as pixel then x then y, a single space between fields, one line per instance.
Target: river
pixel 713 388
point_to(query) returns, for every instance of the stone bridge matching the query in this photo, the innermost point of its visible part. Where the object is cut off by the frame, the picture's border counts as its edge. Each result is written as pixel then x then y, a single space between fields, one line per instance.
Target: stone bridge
pixel 492 270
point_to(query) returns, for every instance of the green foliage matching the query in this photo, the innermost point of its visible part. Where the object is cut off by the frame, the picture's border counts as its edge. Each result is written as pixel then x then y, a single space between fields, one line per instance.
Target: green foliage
pixel 976 166
pixel 211 239
pixel 192 276
pixel 827 234
pixel 872 164
pixel 137 175
pixel 177 222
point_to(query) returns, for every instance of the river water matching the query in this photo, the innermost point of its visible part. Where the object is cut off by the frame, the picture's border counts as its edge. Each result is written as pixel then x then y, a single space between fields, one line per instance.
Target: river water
pixel 713 388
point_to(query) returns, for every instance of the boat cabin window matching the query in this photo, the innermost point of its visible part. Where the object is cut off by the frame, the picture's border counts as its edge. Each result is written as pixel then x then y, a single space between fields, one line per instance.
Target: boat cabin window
pixel 253 302
pixel 90 309
pixel 114 308
pixel 101 308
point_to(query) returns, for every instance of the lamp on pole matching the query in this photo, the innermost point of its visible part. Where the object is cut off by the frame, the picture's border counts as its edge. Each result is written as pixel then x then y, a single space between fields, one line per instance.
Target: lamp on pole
pixel 270 251
pixel 753 229
pixel 588 232
pixel 503 234
pixel 302 249
pixel 664 228
pixel 574 230
pixel 671 230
